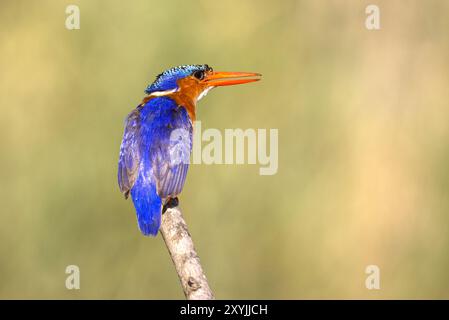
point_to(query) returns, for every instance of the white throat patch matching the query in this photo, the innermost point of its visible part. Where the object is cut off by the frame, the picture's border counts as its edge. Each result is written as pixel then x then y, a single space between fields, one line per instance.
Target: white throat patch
pixel 204 93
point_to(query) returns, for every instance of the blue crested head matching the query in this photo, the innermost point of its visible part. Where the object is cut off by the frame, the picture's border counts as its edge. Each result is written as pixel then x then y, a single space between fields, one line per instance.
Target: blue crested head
pixel 168 79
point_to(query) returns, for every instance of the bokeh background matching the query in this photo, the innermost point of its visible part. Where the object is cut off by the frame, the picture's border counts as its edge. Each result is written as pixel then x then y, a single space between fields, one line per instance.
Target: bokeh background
pixel 363 148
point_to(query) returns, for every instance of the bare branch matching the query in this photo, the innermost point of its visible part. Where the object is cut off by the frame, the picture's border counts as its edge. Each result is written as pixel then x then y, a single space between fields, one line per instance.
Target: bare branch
pixel 187 263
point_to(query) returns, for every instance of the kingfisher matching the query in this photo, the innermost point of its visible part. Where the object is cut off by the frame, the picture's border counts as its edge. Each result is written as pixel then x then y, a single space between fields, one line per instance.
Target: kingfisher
pixel 157 141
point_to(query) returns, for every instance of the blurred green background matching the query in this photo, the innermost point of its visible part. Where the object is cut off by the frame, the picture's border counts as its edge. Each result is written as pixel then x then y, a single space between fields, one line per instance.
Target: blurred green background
pixel 363 148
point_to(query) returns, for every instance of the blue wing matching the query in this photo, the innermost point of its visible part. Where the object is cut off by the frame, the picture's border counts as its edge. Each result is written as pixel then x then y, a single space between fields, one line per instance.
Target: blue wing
pixel 154 158
pixel 135 179
pixel 129 159
pixel 168 137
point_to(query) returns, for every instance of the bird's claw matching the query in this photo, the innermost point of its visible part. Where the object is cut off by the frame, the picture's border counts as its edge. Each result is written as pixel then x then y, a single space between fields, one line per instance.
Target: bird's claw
pixel 171 203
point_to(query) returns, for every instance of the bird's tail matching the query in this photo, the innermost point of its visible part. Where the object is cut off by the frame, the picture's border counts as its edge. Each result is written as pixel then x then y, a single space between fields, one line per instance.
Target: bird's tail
pixel 148 206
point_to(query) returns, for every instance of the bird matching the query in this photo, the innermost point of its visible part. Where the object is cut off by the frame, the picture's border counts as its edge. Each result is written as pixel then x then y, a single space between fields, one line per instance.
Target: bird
pixel 157 139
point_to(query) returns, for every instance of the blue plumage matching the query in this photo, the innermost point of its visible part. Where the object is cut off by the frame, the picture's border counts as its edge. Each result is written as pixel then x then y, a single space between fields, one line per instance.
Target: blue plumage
pixel 148 204
pixel 154 158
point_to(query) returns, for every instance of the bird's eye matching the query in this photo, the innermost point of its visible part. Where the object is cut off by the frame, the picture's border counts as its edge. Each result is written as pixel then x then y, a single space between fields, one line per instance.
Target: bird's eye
pixel 199 75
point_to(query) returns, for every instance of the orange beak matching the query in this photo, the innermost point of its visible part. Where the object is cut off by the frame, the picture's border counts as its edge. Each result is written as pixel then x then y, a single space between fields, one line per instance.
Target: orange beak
pixel 218 79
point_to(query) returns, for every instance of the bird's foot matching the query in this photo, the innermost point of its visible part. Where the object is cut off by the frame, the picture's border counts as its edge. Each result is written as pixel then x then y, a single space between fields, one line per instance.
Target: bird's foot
pixel 171 203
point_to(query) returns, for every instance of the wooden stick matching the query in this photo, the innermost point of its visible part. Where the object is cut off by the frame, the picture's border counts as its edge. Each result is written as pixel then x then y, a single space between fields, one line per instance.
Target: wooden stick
pixel 182 251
